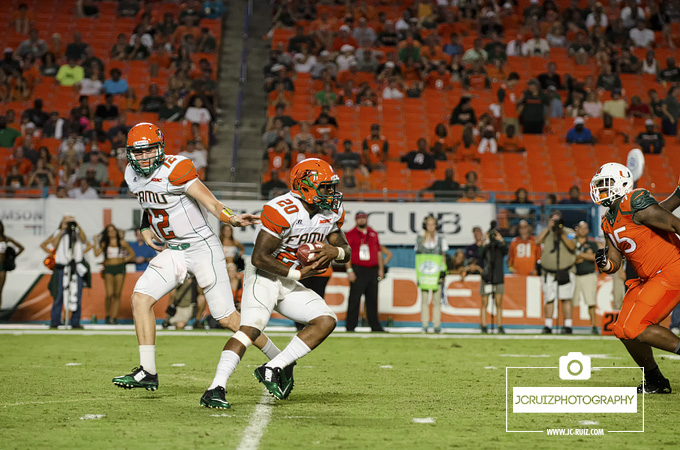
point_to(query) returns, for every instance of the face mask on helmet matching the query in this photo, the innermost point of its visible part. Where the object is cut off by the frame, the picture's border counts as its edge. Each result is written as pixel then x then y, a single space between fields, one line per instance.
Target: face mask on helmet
pixel 610 184
pixel 145 159
pixel 324 195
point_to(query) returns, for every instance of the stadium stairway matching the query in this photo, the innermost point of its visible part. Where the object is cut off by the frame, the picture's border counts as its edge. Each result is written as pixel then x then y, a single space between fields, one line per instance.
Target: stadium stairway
pixel 253 107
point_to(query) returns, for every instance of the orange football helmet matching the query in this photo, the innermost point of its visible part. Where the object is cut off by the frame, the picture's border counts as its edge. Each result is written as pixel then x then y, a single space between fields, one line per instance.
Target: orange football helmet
pixel 314 180
pixel 141 138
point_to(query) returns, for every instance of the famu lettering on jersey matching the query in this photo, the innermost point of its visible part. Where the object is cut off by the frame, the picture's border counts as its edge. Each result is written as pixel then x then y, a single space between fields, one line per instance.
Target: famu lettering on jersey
pixel 151 197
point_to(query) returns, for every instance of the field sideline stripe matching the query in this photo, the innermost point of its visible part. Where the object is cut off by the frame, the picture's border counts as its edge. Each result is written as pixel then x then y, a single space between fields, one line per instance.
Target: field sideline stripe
pixel 500 337
pixel 257 424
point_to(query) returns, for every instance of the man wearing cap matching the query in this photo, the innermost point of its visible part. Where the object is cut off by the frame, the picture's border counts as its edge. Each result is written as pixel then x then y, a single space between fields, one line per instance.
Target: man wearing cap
pixel 579 134
pixel 364 271
pixel 344 38
pixel 650 140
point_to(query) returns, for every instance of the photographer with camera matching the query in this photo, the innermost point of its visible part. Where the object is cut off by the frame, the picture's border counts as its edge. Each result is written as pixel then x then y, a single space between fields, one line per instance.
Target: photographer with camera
pixel 492 275
pixel 69 244
pixel 557 262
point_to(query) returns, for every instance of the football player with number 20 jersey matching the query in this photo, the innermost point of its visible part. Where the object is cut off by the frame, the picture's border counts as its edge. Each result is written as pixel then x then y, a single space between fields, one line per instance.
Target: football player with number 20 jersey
pixel 643 231
pixel 176 204
pixel 311 212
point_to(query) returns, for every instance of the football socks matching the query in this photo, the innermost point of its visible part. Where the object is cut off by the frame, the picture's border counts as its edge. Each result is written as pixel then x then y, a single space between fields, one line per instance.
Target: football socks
pixel 295 350
pixel 270 350
pixel 147 358
pixel 227 365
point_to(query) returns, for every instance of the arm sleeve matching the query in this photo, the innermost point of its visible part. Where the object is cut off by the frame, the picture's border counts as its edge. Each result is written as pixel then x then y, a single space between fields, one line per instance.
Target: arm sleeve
pixel 145 221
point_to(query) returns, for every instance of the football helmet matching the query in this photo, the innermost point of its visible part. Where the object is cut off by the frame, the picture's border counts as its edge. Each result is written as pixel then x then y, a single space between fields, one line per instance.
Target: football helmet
pixel 313 181
pixel 610 183
pixel 141 138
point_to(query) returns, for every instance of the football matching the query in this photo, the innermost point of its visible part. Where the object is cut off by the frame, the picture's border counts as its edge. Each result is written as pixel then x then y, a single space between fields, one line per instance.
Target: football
pixel 303 253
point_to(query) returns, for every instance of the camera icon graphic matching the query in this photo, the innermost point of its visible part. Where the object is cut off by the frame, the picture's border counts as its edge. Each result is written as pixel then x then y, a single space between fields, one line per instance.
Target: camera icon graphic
pixel 575 366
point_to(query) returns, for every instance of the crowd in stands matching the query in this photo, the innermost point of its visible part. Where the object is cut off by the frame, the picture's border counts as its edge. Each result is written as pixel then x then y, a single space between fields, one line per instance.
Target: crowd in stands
pixel 66 105
pixel 387 89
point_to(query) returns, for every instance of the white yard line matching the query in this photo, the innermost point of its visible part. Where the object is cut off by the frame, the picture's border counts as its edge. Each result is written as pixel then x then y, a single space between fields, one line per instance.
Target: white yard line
pixel 257 424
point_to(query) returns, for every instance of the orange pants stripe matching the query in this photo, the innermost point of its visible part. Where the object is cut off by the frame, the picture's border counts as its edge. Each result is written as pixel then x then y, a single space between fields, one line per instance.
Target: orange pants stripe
pixel 647 303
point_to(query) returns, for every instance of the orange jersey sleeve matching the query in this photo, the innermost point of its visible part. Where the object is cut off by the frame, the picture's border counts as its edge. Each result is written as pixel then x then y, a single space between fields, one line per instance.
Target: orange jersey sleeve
pixel 182 173
pixel 273 221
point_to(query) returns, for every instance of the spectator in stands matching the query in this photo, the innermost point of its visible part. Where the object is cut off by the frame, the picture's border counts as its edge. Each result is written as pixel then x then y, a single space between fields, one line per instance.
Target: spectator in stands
pixel 54 127
pixel 300 39
pixel 419 159
pixel 551 77
pixel 36 115
pixel 531 109
pixel 269 136
pixel 487 142
pixel 213 9
pixel 344 38
pixel 555 107
pixel 475 53
pixel 555 36
pixel 650 65
pixel 446 190
pixel 638 109
pixel 516 46
pixel 72 147
pixel 388 37
pixel 76 49
pixel 274 184
pixel 617 106
pixel 393 90
pixel 140 44
pixel 33 46
pixel 524 254
pixel 375 149
pixel 206 42
pixel 597 17
pixel 495 49
pixel 14 178
pixel 198 157
pixel 453 47
pixel 671 74
pixel 471 195
pixel 671 112
pixel 463 113
pixel 28 149
pixel 197 113
pixel 84 191
pixel 108 110
pixel 579 134
pixel 324 64
pixel 277 156
pixel 115 85
pixel 626 62
pixel 655 103
pixel 650 140
pixel 169 112
pixel 21 161
pixel 475 76
pixel 581 49
pixel 608 80
pixel 91 85
pixel 364 35
pixel 70 73
pixel 119 127
pixel 536 46
pixel 303 136
pixel 49 66
pixel 23 20
pixel 152 102
pixel 641 35
pixel 510 142
pixel 592 106
pixel 119 50
pixel 367 62
pixel 98 167
pixel 348 157
pixel 324 127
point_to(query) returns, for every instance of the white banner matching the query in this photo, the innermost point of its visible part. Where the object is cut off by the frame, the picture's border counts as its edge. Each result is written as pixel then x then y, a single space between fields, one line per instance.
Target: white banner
pixel 396 223
pixel 574 400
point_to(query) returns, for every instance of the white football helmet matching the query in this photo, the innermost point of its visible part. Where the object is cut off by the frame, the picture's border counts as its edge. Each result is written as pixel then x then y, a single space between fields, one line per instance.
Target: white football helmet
pixel 611 182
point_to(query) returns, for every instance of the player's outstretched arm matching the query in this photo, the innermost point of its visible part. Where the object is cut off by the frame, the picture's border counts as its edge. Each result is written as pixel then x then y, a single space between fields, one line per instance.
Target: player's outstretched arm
pixel 202 194
pixel 337 249
pixel 262 258
pixel 658 217
pixel 673 201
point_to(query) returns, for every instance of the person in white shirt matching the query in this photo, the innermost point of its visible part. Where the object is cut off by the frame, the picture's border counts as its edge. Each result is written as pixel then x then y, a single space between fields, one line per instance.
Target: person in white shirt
pixel 650 65
pixel 364 34
pixel 304 61
pixel 346 57
pixel 515 47
pixel 392 91
pixel 198 157
pixel 627 14
pixel 402 25
pixel 597 17
pixel 197 113
pixel 91 85
pixel 641 36
pixel 536 46
pixel 83 191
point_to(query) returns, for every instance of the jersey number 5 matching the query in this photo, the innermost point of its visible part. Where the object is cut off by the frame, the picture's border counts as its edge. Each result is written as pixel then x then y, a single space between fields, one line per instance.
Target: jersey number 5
pixel 621 239
pixel 163 226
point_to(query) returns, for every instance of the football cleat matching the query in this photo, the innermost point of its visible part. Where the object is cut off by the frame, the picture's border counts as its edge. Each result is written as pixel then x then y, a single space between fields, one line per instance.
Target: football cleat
pixel 567 330
pixel 655 387
pixel 501 330
pixel 289 382
pixel 273 379
pixel 546 330
pixel 215 398
pixel 484 329
pixel 594 330
pixel 139 378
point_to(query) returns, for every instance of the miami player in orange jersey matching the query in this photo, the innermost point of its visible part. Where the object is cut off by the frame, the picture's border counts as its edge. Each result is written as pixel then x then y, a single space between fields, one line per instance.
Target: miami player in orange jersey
pixel 642 230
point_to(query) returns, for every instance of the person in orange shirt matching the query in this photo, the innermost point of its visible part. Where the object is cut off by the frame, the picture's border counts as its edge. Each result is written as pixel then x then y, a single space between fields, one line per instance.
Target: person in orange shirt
pixel 375 148
pixel 471 195
pixel 609 134
pixel 440 78
pixel 643 230
pixel 449 26
pixel 433 51
pixel 23 19
pixel 117 170
pixel 277 156
pixel 510 142
pixel 524 253
pixel 509 95
pixel 324 127
pixel 280 96
pixel 344 38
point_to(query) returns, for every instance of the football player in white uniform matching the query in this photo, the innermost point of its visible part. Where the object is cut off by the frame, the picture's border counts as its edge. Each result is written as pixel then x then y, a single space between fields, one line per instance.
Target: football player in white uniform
pixel 175 204
pixel 311 212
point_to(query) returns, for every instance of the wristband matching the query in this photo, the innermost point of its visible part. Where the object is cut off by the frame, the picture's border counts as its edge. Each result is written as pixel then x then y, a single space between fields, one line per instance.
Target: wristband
pixel 226 215
pixel 350 270
pixel 341 254
pixel 293 274
pixel 677 192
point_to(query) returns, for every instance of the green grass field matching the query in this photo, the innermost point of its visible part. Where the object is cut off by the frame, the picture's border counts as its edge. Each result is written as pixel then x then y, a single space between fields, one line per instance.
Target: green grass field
pixel 353 392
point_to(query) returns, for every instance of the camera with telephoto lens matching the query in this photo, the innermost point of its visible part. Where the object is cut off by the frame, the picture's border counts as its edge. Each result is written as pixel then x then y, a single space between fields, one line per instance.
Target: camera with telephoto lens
pixel 71 226
pixel 493 231
pixel 558 225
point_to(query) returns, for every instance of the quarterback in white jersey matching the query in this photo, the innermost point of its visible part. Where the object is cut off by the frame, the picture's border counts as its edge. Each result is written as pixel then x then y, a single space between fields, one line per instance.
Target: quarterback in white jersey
pixel 311 212
pixel 176 204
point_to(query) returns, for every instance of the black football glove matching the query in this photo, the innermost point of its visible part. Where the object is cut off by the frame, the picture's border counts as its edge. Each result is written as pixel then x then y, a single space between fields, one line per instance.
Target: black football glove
pixel 602 257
